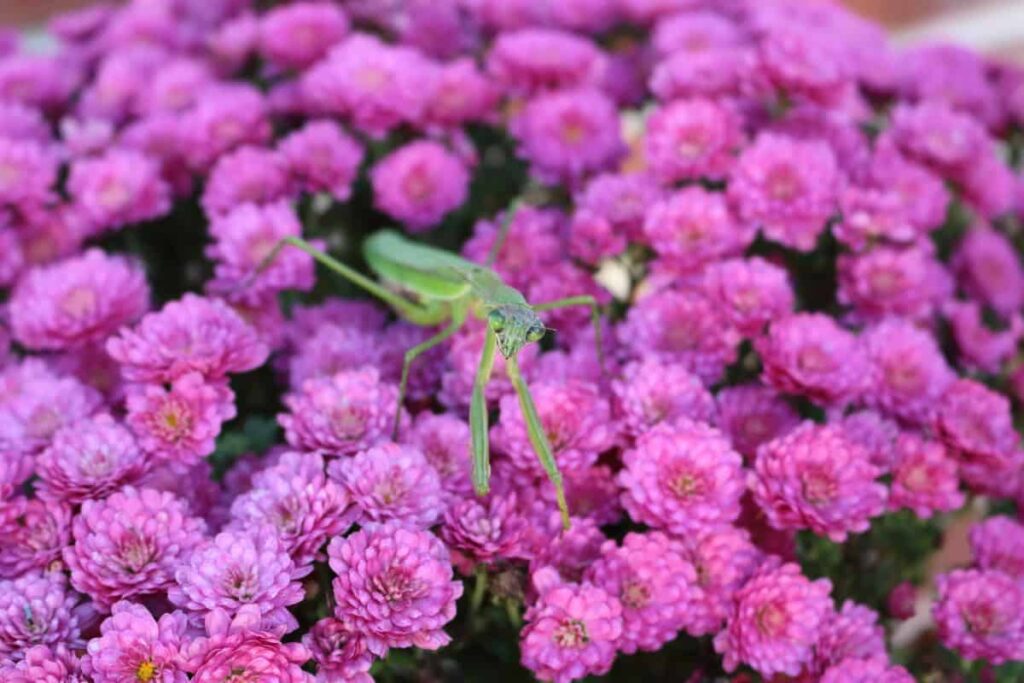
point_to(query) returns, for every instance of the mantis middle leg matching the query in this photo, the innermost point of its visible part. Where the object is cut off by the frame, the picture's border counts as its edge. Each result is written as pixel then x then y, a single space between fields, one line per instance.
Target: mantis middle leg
pixel 478 417
pixel 595 316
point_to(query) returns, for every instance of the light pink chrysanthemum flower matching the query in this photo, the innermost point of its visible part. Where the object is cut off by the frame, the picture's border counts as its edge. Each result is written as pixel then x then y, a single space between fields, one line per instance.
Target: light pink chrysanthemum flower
pixel 998 543
pixel 692 228
pixel 723 558
pixel 924 477
pixel 753 414
pixel 247 175
pixel 775 621
pixel 682 477
pixel 130 544
pixel 532 60
pixel 391 482
pixel 43 664
pixel 650 392
pixel 339 651
pixel 192 334
pixel 419 184
pixel 343 414
pixel 297 35
pixel 692 139
pixel 980 614
pixel 571 631
pixel 77 301
pixel 133 646
pixel 180 424
pixel 89 459
pixel 444 440
pixel 322 157
pixel 816 478
pixel 119 188
pixel 32 535
pixel 752 291
pixel 36 609
pixel 394 585
pixel 485 530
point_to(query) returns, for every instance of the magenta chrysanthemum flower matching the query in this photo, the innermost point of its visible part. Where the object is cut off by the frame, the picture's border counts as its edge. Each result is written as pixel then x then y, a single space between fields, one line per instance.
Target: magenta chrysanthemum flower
pixel 753 414
pixel 650 392
pixel 222 119
pixel 192 334
pixel 998 543
pixel 339 651
pixel 810 354
pixel 36 609
pixel 32 535
pixel 44 665
pixel 38 403
pixel 870 215
pixel 133 646
pixel 892 281
pixel 29 171
pixel 923 195
pixel 693 32
pixel 874 432
pixel 463 94
pixel 330 349
pixel 853 632
pixel 89 459
pixel 180 424
pixel 245 647
pixel 485 530
pixel 988 267
pixel 976 423
pixel 621 199
pixel 981 347
pixel 682 477
pixel 119 188
pixel 236 569
pixel 342 415
pixel 568 551
pixel 571 631
pixel 529 61
pixel 873 670
pixel 816 478
pixel 321 157
pixel 391 482
pixel 752 291
pixel 654 583
pixel 394 585
pixel 299 502
pixel 935 134
pixel 533 242
pixel 444 440
pixel 723 558
pixel 980 614
pixel 246 175
pixel 692 139
pixel 693 227
pixel 243 238
pixel 909 374
pixel 786 187
pixel 297 35
pixel 575 417
pixel 130 544
pixel 419 184
pixel 80 300
pixel 924 478
pixel 775 621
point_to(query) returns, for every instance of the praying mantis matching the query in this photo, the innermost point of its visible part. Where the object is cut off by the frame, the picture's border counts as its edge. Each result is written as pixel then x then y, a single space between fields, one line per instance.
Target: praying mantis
pixel 436 287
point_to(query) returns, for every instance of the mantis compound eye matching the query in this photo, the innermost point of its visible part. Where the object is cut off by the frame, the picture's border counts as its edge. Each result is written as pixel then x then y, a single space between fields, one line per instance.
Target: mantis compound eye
pixel 535 334
pixel 496 319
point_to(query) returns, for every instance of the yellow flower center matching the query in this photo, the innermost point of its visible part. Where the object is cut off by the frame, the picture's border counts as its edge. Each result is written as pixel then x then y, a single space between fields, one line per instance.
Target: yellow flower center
pixel 146 671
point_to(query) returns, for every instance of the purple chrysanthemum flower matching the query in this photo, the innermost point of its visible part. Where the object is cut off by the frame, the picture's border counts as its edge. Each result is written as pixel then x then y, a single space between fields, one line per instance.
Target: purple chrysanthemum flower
pixel 752 291
pixel 873 670
pixel 852 632
pixel 976 423
pixel 77 301
pixel 871 215
pixel 248 174
pixel 332 348
pixel 724 558
pixel 339 651
pixel 988 267
pixel 38 403
pixel 981 347
pixel 444 440
pixel 692 139
pixel 532 60
pixel 419 184
pixel 463 94
pixel 650 392
pixel 621 199
pixel 753 414
pixel 485 530
pixel 36 609
pixel 222 119
pixel 119 188
pixel 924 478
pixel 89 459
pixel 395 586
pixel 998 543
pixel 682 477
pixel 44 665
pixel 892 281
pixel 923 195
pixel 693 227
pixel 29 171
pixel 816 478
pixel 980 614
pixel 935 134
pixel 130 544
pixel 694 31
pixel 533 242
pixel 297 35
pixel 321 157
pixel 32 535
pixel 133 646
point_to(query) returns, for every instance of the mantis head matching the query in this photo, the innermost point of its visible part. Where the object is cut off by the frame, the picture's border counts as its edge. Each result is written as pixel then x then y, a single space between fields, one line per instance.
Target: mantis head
pixel 514 327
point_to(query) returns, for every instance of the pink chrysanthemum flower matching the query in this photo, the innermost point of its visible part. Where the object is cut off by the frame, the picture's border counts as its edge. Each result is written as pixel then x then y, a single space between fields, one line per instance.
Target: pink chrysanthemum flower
pixel 391 482
pixel 982 347
pixel 874 432
pixel 89 459
pixel 775 621
pixel 192 334
pixel 752 292
pixel 980 614
pixel 463 94
pixel 575 417
pixel 571 631
pixel 988 267
pixel 816 478
pixel 244 238
pixel 38 404
pixel 222 119
pixel 723 558
pixel 753 414
pixel 654 583
pixel 871 215
pixel 593 238
pixel 682 477
pixel 485 530
pixel 77 301
pixel 681 327
pixel 29 172
pixel 130 544
pixel 853 632
pixel 395 586
pixel 15 469
pixel 924 478
pixel 529 61
pixel 246 175
pixel 32 535
pixel 133 646
pixel 36 609
pixel 330 349
pixel 621 199
pixel 692 139
pixel 998 543
pixel 321 157
pixel 297 35
pixel 174 86
pixel 890 281
pixel 909 374
pixel 568 134
pixel 21 122
pixel 873 670
pixel 802 63
pixel 568 551
pixel 694 227
pixel 444 440
pixel 935 134
pixel 694 31
pixel 342 415
pixel 923 196
pixel 718 72
pixel 786 187
pixel 339 651
pixel 180 424
pixel 245 647
pixel 809 354
pixel 236 569
pixel 119 188
pixel 532 243
pixel 976 423
pixel 650 392
pixel 44 665
pixel 297 500
pixel 419 184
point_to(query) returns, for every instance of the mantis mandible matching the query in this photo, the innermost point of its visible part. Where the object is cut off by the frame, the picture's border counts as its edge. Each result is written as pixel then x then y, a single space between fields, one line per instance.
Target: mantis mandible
pixel 447 288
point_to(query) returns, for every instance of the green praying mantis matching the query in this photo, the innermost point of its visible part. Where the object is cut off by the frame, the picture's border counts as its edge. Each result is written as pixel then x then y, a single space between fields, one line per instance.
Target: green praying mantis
pixel 434 287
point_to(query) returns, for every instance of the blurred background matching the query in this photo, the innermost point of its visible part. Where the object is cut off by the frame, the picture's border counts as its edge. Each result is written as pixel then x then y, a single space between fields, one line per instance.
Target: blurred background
pixel 994 26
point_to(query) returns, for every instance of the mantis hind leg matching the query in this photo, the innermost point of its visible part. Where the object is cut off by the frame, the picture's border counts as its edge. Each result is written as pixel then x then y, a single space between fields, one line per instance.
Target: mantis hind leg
pixel 595 317
pixel 478 417
pixel 538 439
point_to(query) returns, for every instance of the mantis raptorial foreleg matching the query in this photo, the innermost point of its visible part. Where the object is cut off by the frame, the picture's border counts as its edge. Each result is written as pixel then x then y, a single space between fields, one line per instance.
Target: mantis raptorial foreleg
pixel 478 417
pixel 539 440
pixel 595 316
